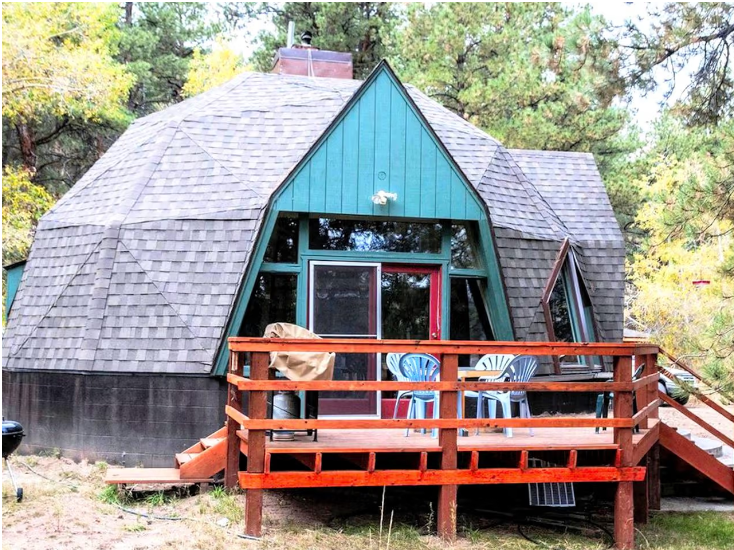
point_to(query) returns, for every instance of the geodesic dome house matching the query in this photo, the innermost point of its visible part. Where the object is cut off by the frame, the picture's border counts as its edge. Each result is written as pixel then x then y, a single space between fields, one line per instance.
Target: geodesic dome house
pixel 360 209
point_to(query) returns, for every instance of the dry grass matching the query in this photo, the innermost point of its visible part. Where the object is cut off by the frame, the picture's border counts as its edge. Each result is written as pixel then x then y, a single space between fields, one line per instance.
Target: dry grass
pixel 77 511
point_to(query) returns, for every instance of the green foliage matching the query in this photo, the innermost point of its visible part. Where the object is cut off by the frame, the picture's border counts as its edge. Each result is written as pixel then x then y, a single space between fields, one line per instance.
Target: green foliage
pixel 357 27
pixel 111 495
pixel 535 76
pixel 226 504
pixel 57 61
pixel 687 233
pixel 213 69
pixel 23 204
pixel 688 38
pixel 158 498
pixel 157 43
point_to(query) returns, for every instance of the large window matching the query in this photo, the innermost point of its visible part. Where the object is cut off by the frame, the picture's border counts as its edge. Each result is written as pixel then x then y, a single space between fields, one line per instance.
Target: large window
pixel 374 235
pixel 469 319
pixel 283 244
pixel 463 253
pixel 273 300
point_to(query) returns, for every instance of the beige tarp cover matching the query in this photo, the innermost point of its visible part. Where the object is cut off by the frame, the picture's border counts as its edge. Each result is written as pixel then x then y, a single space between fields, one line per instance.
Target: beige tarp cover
pixel 299 365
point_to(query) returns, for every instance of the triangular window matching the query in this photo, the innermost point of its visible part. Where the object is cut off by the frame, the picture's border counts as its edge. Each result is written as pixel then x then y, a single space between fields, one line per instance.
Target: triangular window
pixel 567 305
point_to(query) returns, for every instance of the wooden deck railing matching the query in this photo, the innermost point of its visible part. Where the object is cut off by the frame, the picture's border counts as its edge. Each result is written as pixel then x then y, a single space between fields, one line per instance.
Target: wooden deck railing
pixel 703 398
pixel 261 380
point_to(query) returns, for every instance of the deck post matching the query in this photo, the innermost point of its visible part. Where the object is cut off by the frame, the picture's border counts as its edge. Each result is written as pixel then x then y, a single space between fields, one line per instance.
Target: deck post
pixel 651 367
pixel 258 408
pixel 624 523
pixel 447 439
pixel 234 400
pixel 653 477
pixel 642 395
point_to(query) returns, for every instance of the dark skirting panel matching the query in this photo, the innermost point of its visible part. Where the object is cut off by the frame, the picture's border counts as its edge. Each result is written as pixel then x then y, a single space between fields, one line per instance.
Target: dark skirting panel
pixel 135 420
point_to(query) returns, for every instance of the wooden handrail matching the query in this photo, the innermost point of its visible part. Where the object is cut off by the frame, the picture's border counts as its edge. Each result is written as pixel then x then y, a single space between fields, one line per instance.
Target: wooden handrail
pixel 645 412
pixel 239 381
pixel 438 347
pixel 705 425
pixel 396 423
pixel 699 395
pixel 645 381
pixel 236 415
pixel 389 385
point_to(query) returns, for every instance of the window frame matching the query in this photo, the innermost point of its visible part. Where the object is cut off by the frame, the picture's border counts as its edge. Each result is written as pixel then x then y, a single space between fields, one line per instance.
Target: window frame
pixel 582 325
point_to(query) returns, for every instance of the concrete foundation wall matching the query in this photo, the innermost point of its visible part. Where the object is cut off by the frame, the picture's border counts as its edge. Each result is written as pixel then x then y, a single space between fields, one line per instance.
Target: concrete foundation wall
pixel 131 419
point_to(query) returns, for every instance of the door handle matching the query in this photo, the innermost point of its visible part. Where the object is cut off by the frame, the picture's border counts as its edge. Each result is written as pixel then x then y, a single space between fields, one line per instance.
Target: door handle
pixel 434 335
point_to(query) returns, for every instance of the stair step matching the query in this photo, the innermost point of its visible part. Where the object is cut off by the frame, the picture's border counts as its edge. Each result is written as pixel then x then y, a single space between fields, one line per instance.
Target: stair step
pixel 685 433
pixel 209 442
pixel 711 446
pixel 183 458
pixel 727 461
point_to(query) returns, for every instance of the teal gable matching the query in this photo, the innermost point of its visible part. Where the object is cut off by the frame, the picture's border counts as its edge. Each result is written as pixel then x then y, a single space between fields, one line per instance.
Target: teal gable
pixel 380 143
pixel 14 274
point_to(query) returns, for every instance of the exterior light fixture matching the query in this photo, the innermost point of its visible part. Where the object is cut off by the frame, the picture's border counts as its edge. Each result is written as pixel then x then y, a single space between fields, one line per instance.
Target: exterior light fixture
pixel 381 197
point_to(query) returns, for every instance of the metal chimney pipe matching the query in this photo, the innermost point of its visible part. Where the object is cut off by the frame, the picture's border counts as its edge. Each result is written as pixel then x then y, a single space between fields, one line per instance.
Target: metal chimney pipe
pixel 291 34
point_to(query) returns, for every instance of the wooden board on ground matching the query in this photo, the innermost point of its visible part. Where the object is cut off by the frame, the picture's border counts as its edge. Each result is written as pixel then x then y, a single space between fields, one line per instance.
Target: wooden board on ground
pixel 149 475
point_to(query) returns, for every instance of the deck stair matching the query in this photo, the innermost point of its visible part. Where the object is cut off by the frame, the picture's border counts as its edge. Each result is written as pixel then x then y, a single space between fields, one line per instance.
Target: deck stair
pixel 205 458
pixel 197 464
pixel 701 459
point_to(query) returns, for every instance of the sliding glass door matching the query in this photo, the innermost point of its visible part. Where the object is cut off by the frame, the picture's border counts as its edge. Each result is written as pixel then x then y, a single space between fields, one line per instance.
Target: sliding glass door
pixel 369 300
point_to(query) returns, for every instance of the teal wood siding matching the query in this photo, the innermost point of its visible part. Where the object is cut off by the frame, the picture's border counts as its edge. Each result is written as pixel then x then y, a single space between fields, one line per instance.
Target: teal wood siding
pixel 13 274
pixel 380 143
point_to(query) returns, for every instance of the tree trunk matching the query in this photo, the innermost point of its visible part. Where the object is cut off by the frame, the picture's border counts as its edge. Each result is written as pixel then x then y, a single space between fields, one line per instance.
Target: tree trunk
pixel 27 146
pixel 128 13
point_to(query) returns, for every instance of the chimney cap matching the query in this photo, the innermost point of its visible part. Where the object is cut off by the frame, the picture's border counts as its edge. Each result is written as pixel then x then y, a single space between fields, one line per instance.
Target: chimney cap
pixel 306 37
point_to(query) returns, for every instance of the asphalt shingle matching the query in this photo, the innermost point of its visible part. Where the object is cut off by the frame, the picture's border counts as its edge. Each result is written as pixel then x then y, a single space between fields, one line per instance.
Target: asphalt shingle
pixel 137 268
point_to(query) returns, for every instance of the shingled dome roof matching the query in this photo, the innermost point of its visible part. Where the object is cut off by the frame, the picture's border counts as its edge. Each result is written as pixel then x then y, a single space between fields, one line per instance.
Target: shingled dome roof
pixel 136 269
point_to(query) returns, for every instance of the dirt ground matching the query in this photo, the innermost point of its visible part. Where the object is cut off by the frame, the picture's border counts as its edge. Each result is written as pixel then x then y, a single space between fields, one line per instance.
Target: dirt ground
pixel 74 510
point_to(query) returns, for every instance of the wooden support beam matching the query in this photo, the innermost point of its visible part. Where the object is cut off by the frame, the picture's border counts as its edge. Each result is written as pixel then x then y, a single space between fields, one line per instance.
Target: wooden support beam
pixel 653 477
pixel 641 393
pixel 258 408
pixel 447 439
pixel 524 458
pixel 624 523
pixel 234 404
pixel 482 476
pixel 474 461
pixel 423 464
pixel 573 457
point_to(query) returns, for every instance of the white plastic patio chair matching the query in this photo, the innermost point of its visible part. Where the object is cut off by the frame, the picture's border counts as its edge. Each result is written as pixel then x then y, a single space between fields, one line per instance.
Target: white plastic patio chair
pixel 520 369
pixel 490 362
